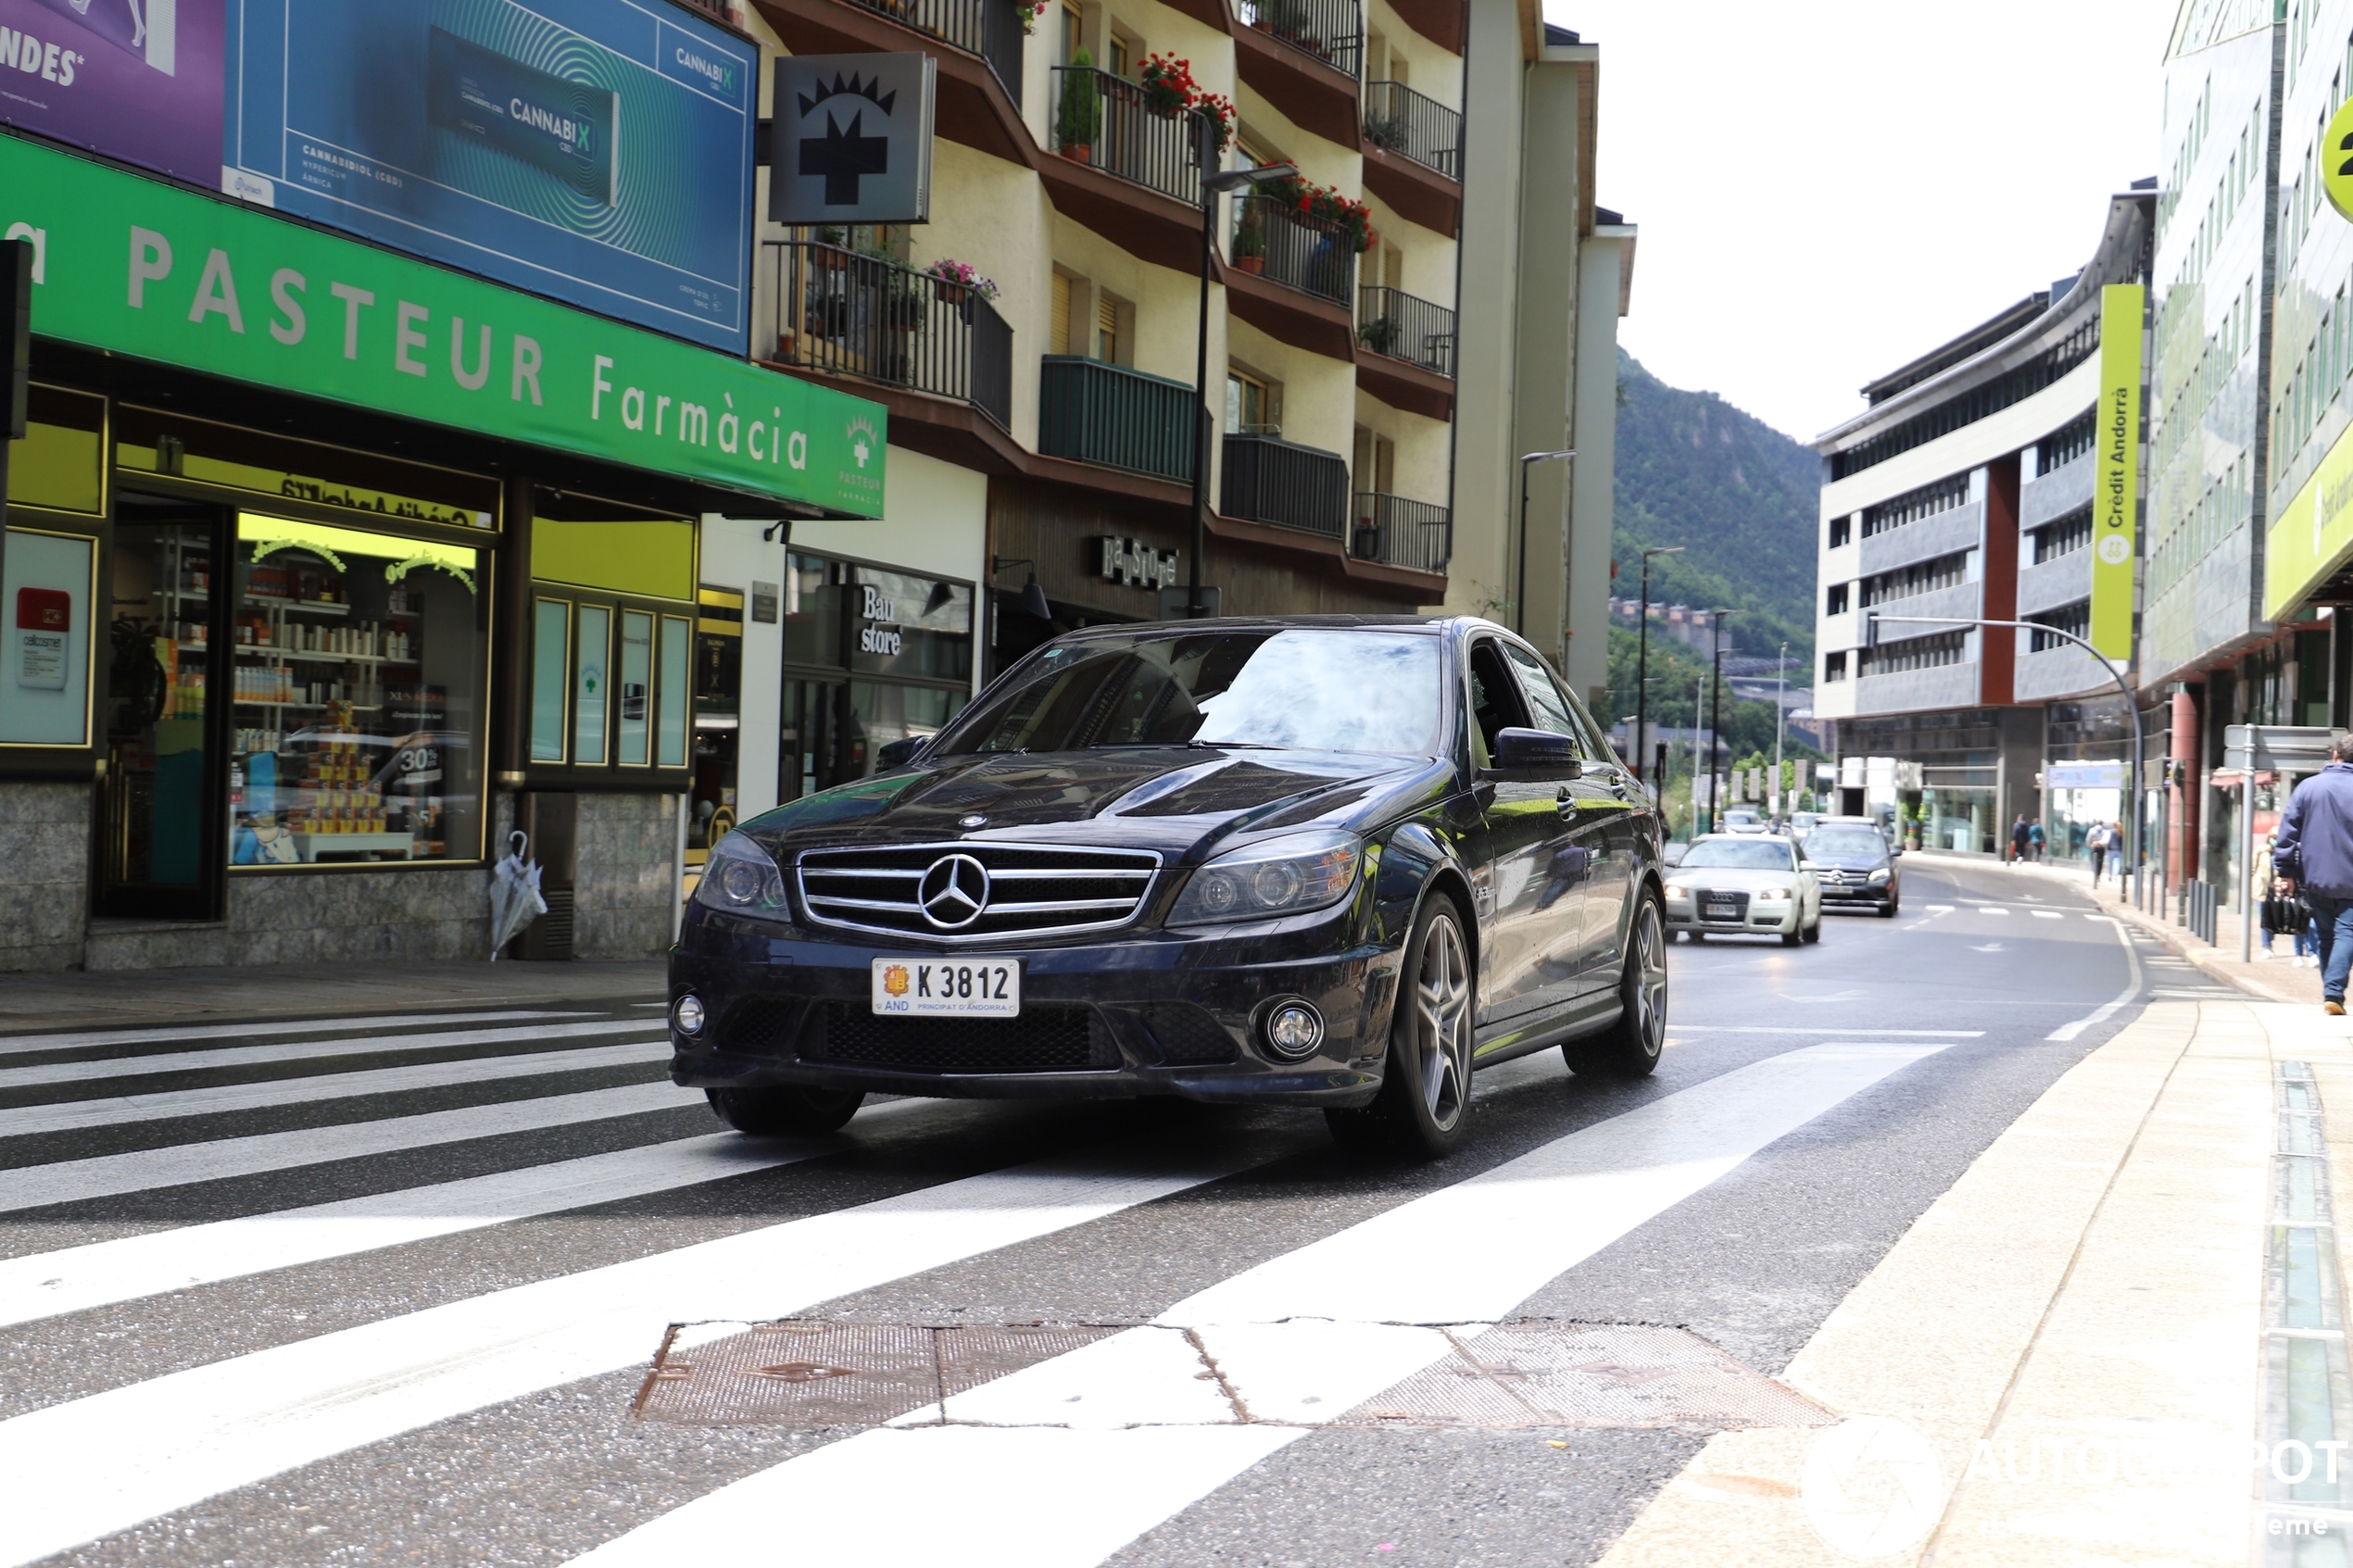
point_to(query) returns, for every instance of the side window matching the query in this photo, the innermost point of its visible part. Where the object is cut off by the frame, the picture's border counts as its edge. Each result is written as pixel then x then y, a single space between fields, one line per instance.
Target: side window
pixel 1546 700
pixel 1494 695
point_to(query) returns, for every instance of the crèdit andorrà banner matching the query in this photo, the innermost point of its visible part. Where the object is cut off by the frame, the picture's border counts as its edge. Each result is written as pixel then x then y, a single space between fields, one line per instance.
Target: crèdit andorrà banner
pixel 140 267
pixel 2116 450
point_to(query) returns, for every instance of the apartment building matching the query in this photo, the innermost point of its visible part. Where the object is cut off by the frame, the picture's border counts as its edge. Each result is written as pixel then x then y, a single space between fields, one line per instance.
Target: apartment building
pixel 1378 363
pixel 1964 490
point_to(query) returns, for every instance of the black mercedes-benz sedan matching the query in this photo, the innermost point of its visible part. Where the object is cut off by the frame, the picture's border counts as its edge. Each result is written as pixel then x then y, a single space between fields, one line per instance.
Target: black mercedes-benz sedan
pixel 1337 861
pixel 1856 866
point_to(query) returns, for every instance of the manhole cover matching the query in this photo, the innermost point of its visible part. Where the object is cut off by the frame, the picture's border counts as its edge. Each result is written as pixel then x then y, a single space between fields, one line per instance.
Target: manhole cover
pixel 837 1374
pixel 1587 1374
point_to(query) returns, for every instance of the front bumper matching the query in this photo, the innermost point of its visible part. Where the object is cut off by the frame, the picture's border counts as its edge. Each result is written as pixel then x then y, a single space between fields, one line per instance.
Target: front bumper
pixel 1862 895
pixel 1145 1013
pixel 1774 919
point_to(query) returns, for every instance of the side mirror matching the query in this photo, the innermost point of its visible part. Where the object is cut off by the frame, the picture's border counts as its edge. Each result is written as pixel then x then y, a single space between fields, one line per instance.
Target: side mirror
pixel 899 752
pixel 1895 852
pixel 1539 752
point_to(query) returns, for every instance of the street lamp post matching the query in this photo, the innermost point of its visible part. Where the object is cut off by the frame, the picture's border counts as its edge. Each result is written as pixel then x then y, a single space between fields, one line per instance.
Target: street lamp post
pixel 1642 652
pixel 1212 186
pixel 1715 706
pixel 2131 791
pixel 1780 720
pixel 1519 594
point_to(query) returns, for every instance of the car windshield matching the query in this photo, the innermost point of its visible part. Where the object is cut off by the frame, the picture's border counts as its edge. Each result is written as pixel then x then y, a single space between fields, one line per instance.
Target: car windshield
pixel 1845 841
pixel 1768 856
pixel 1307 688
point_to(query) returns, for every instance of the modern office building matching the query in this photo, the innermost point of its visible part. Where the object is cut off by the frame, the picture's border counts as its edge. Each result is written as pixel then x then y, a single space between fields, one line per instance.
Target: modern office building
pixel 1964 490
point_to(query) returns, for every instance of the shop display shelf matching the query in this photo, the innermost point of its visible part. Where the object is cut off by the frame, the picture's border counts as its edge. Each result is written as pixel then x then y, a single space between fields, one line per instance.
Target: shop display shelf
pixel 308 606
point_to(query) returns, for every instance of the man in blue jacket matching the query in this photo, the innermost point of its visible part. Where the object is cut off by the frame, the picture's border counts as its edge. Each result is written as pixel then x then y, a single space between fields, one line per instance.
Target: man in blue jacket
pixel 2315 852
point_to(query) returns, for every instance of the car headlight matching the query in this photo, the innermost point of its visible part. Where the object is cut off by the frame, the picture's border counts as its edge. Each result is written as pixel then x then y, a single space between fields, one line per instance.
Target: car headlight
pixel 742 876
pixel 1676 891
pixel 1879 875
pixel 1772 894
pixel 1283 876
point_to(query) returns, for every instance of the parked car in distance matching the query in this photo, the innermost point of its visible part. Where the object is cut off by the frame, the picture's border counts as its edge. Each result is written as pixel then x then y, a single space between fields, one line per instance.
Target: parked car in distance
pixel 1739 819
pixel 1749 885
pixel 1803 822
pixel 1855 865
pixel 1339 861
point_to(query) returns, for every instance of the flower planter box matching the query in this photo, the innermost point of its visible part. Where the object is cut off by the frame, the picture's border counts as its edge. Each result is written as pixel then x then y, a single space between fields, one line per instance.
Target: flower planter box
pixel 1254 265
pixel 1078 152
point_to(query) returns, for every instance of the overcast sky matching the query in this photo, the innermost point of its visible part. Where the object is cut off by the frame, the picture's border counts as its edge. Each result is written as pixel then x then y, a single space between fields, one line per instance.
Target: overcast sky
pixel 1830 188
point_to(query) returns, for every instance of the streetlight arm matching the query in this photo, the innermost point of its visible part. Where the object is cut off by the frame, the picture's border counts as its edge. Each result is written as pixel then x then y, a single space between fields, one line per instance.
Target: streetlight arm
pixel 1870 622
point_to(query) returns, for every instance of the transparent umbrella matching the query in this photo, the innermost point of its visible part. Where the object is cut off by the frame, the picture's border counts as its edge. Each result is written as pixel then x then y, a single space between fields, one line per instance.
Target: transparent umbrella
pixel 515 900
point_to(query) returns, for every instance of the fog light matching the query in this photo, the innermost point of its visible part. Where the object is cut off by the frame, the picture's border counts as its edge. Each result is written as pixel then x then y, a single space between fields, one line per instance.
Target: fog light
pixel 1294 1030
pixel 686 1014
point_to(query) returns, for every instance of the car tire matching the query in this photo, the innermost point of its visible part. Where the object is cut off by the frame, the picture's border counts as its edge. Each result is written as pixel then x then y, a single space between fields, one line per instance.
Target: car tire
pixel 1425 1094
pixel 1793 937
pixel 1697 936
pixel 1887 911
pixel 1630 1048
pixel 1814 931
pixel 792 1111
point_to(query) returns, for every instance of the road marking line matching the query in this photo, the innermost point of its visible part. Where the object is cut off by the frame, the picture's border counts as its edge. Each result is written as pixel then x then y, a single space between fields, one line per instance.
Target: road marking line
pixel 2047 914
pixel 1306 1336
pixel 74 1279
pixel 2108 1009
pixel 13 1044
pixel 168 1104
pixel 110 1460
pixel 1940 909
pixel 306 1050
pixel 109 1175
pixel 1825 1034
pixel 1993 909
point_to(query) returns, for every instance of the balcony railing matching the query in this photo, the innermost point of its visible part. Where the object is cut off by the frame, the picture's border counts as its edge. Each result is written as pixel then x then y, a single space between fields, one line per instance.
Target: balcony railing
pixel 1272 239
pixel 1329 30
pixel 1271 480
pixel 1398 119
pixel 855 315
pixel 1108 414
pixel 991 29
pixel 1402 533
pixel 1393 322
pixel 1127 135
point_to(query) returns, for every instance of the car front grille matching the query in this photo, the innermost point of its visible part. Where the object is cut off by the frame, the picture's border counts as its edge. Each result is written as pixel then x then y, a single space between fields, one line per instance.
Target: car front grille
pixel 992 893
pixel 1706 902
pixel 1043 1039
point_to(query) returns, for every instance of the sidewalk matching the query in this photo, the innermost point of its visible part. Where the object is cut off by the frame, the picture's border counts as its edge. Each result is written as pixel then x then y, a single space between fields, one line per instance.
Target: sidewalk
pixel 2276 979
pixel 180 996
pixel 2076 1343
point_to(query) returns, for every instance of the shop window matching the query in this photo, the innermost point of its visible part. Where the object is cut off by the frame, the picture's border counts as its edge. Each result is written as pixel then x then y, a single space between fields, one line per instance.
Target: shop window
pixel 636 688
pixel 813 613
pixel 718 650
pixel 906 639
pixel 676 666
pixel 60 464
pixel 50 590
pixel 550 658
pixel 588 691
pixel 916 628
pixel 355 681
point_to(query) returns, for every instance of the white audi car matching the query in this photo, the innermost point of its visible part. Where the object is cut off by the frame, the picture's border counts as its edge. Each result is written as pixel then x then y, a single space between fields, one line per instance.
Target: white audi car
pixel 1755 885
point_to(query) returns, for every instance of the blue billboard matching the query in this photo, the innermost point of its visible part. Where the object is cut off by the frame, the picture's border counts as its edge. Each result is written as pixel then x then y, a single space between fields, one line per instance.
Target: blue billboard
pixel 599 152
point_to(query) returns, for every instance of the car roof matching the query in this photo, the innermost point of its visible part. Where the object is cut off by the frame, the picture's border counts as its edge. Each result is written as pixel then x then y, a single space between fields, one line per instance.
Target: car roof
pixel 1425 623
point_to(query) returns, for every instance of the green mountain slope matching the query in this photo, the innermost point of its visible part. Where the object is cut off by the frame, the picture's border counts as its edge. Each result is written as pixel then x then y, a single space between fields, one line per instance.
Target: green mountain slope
pixel 1741 497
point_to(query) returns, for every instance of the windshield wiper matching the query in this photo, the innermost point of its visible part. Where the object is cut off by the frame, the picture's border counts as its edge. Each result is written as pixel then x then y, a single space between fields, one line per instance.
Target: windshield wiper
pixel 1230 745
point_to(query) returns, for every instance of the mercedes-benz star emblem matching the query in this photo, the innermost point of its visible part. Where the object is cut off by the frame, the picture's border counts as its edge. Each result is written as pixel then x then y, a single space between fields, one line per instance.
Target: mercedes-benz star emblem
pixel 975 821
pixel 953 892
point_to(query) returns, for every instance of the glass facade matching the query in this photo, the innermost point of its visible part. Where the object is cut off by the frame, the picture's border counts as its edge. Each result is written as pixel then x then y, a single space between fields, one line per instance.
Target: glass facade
pixel 872 655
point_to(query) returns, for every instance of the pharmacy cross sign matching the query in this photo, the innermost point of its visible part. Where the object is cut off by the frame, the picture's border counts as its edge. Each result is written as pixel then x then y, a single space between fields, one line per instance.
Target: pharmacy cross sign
pixel 852 139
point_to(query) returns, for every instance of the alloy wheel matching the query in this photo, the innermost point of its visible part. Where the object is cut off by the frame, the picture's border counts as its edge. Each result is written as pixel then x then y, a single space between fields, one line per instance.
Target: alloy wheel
pixel 1442 1015
pixel 1649 975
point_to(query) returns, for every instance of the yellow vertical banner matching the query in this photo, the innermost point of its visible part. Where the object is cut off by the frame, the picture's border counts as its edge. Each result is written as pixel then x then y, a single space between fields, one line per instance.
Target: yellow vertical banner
pixel 2116 482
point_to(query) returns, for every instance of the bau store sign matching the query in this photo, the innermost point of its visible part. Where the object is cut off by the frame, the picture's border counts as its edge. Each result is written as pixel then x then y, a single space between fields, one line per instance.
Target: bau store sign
pixel 126 263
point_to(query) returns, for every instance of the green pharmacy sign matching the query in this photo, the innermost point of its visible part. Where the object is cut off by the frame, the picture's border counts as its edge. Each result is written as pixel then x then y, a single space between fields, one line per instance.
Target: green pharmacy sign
pixel 129 265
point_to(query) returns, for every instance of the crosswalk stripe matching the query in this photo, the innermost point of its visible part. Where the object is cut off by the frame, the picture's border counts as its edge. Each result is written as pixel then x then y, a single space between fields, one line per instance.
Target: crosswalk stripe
pixel 1304 1337
pixel 74 1279
pixel 306 1050
pixel 109 1461
pixel 167 1104
pixel 108 1175
pixel 19 1043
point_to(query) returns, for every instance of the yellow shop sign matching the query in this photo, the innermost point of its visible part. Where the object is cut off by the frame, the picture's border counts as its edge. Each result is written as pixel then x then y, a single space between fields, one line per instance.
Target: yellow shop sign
pixel 2313 534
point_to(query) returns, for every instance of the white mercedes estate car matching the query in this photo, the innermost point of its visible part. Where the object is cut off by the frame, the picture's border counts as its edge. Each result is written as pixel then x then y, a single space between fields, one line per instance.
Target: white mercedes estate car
pixel 1754 885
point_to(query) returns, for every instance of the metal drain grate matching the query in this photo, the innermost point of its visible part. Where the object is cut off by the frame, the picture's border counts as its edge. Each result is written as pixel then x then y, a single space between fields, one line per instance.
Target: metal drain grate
pixel 1588 1375
pixel 837 1374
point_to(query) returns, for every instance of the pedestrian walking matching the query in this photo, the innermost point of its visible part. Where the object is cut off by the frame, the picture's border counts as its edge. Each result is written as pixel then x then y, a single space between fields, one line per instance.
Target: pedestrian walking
pixel 2314 856
pixel 2035 840
pixel 2097 842
pixel 2018 838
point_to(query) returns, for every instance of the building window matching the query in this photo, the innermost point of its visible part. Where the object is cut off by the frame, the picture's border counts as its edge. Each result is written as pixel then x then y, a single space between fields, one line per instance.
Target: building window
pixel 1837 605
pixel 2064 538
pixel 1921 577
pixel 1914 504
pixel 2065 444
pixel 1115 329
pixel 1253 406
pixel 1833 667
pixel 1913 653
pixel 2075 618
pixel 1841 530
pixel 1970 406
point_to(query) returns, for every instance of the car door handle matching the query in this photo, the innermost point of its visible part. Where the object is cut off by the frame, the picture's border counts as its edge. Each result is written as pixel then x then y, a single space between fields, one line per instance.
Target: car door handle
pixel 1568 802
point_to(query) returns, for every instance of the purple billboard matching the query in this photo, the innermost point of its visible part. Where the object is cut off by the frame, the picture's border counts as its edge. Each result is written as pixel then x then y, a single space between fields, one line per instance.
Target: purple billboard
pixel 134 79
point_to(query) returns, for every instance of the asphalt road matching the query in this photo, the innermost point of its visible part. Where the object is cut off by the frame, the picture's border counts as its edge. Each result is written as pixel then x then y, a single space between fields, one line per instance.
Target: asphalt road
pixel 389 1291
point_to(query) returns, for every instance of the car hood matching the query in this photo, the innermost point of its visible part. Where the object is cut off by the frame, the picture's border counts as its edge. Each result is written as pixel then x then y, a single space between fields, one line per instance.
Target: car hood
pixel 1180 801
pixel 1848 862
pixel 1730 878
